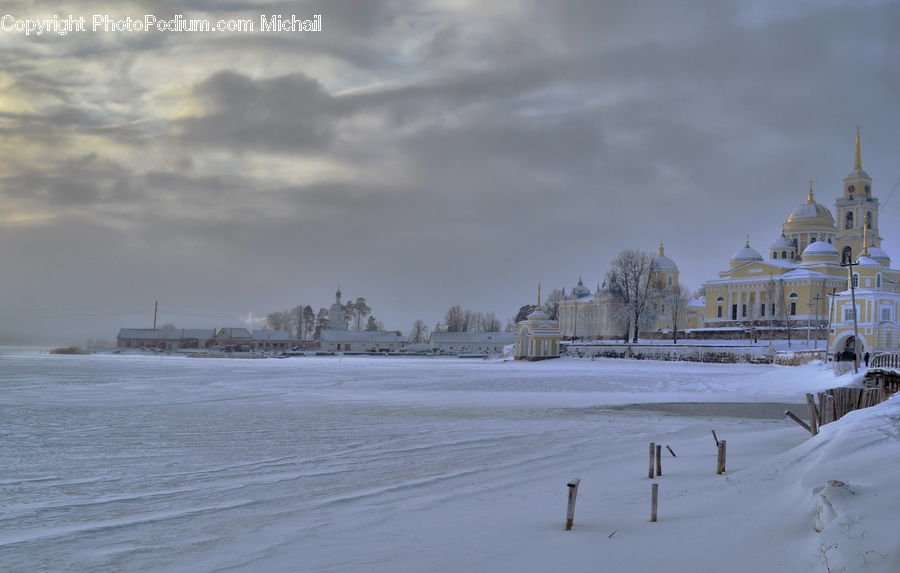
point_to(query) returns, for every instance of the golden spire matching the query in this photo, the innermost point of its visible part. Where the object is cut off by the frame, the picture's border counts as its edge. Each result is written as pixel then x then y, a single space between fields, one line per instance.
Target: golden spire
pixel 662 250
pixel 858 163
pixel 809 194
pixel 747 244
pixel 539 297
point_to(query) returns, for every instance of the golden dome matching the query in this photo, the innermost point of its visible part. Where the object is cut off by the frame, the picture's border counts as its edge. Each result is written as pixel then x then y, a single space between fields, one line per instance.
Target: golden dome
pixel 809 215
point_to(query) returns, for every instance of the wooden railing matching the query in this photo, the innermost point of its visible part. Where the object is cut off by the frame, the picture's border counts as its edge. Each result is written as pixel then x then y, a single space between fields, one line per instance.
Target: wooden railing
pixel 886 361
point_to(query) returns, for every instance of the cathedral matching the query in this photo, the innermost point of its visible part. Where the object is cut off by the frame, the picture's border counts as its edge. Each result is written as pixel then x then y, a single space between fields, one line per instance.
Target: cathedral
pixel 801 285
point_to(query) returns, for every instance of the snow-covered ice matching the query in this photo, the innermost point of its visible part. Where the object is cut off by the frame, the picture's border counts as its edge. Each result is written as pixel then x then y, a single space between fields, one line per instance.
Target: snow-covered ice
pixel 149 463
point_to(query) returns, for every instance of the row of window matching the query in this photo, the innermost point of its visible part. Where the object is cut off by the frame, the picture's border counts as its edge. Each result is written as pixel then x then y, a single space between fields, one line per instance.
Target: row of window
pixel 850 314
pixel 762 310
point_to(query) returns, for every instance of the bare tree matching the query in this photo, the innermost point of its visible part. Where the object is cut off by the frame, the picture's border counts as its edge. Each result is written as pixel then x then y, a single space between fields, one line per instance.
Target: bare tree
pixel 490 323
pixel 455 320
pixel 676 297
pixel 631 279
pixel 419 332
pixel 551 303
pixel 278 321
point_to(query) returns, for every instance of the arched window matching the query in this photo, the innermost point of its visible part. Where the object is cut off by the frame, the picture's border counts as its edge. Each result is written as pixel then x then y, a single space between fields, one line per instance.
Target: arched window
pixel 813 240
pixel 868 189
pixel 829 240
pixel 720 299
pixel 783 254
pixel 855 280
pixel 878 281
pixel 869 220
pixel 851 188
pixel 848 221
pixel 793 295
pixel 795 243
pixel 847 255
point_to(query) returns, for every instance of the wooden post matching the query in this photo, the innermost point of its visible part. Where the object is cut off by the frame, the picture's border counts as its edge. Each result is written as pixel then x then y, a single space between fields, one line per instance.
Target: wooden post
pixel 813 414
pixel 652 456
pixel 829 408
pixel 654 501
pixel 791 415
pixel 570 511
pixel 658 459
pixel 671 451
pixel 720 465
pixel 715 437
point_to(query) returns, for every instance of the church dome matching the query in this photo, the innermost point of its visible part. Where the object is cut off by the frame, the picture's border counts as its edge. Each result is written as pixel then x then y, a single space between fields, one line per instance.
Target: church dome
pixel 880 256
pixel 783 242
pixel 580 290
pixel 663 263
pixel 746 254
pixel 867 262
pixel 809 215
pixel 819 248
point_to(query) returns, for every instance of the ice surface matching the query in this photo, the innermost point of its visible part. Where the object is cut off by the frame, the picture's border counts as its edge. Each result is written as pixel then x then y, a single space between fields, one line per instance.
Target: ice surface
pixel 149 463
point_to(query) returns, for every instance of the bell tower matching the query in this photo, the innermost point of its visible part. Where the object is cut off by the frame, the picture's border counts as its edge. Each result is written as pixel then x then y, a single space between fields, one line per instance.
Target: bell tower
pixel 856 211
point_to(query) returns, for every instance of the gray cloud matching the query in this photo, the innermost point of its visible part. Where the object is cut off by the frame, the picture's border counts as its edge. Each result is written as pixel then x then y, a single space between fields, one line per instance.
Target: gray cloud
pixel 427 156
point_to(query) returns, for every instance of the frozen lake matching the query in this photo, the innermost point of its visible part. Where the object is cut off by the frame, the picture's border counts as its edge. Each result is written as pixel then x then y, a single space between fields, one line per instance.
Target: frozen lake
pixel 115 463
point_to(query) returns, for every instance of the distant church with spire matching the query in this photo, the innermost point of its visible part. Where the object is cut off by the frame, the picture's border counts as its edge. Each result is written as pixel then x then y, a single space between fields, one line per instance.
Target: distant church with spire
pixel 798 284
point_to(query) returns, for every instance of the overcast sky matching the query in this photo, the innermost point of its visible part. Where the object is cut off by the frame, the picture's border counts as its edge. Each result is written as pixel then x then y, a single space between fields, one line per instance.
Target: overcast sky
pixel 419 154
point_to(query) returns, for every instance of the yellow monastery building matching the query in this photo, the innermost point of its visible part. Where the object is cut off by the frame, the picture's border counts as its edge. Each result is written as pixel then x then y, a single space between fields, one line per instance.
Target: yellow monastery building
pixel 799 286
pixel 802 284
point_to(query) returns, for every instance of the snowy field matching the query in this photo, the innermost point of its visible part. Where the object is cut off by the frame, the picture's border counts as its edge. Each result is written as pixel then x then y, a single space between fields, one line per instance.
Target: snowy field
pixel 149 463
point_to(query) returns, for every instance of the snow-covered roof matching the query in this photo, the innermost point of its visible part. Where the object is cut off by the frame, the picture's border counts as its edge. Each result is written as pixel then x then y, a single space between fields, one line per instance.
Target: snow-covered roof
pixel 865 261
pixel 166 334
pixel 273 335
pixel 747 253
pixel 361 336
pixel 805 273
pixel 820 248
pixel 783 242
pixel 472 337
pixel 234 333
pixel 699 301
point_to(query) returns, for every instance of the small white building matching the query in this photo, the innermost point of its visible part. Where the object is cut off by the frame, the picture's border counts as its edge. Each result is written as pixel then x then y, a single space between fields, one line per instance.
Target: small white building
pixel 351 341
pixel 471 342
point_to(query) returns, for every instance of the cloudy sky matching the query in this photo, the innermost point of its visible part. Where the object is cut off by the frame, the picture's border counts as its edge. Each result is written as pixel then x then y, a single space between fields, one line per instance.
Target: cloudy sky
pixel 418 153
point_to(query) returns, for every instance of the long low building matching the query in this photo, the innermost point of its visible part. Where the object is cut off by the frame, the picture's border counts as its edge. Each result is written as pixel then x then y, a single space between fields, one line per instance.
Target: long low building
pixel 471 342
pixel 361 340
pixel 239 339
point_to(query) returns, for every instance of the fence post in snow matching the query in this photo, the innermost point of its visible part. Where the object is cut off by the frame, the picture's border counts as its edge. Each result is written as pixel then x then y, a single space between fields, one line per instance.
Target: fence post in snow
pixel 720 462
pixel 658 459
pixel 814 420
pixel 652 460
pixel 654 501
pixel 570 511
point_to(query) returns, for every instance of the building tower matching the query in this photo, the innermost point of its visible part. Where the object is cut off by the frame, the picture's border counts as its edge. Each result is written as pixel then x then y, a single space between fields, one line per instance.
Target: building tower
pixel 337 313
pixel 855 209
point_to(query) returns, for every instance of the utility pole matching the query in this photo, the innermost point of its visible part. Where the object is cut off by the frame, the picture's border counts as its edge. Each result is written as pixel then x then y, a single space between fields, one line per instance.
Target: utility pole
pixel 818 326
pixel 809 305
pixel 850 264
pixel 155 310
